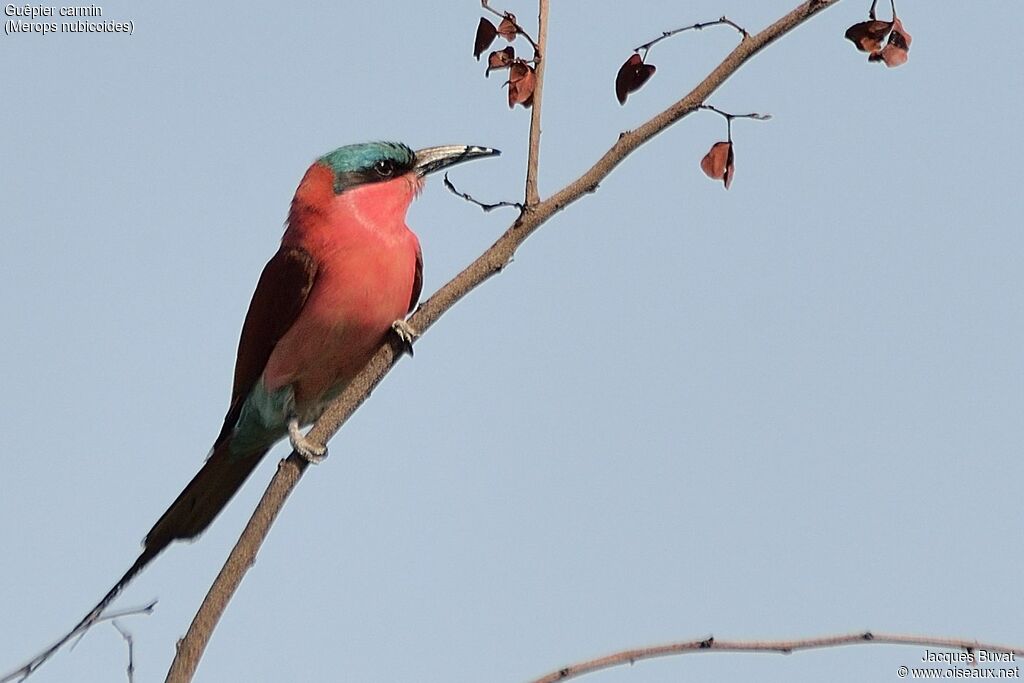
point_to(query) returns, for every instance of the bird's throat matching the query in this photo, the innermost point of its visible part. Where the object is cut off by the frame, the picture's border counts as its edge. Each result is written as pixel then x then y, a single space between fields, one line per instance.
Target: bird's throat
pixel 321 220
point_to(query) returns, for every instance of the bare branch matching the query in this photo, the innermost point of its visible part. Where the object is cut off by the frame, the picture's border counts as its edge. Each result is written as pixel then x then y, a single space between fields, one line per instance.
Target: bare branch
pixel 730 117
pixel 76 634
pixel 469 198
pixel 129 612
pixel 492 261
pixel 539 53
pixel 785 647
pixel 131 650
pixel 700 26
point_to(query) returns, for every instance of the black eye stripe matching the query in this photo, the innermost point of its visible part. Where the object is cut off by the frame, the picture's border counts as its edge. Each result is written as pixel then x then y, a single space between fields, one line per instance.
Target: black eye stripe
pixel 379 171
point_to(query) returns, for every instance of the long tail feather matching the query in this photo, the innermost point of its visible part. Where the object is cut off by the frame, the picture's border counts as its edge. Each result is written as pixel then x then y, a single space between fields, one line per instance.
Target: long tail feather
pixel 187 517
pixel 204 497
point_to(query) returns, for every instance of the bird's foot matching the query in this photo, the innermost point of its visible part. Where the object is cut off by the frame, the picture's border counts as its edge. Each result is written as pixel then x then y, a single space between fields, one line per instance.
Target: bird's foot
pixel 312 453
pixel 406 333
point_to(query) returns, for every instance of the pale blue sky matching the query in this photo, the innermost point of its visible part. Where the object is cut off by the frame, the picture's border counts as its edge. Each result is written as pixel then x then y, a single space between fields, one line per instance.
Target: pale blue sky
pixel 789 409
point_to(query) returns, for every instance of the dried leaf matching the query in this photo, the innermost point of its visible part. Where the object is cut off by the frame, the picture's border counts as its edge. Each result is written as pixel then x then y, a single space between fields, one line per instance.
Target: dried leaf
pixel 521 82
pixel 485 35
pixel 717 164
pixel 897 48
pixel 500 59
pixel 507 27
pixel 868 35
pixel 632 74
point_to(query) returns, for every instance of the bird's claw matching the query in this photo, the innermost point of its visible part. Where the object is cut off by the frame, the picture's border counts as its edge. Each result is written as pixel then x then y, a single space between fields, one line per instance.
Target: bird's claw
pixel 312 453
pixel 406 334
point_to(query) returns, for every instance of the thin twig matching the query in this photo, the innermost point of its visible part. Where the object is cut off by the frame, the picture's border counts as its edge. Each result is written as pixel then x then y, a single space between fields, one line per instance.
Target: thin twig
pixel 871 10
pixel 785 647
pixel 729 117
pixel 472 200
pixel 511 17
pixel 492 261
pixel 700 26
pixel 131 650
pixel 129 612
pixel 533 158
pixel 76 635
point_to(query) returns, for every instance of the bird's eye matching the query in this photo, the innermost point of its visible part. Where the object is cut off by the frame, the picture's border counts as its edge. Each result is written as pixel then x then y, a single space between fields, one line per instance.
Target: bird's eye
pixel 385 168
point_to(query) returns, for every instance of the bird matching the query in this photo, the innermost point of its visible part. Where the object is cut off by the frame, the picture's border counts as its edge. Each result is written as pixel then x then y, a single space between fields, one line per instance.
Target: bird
pixel 346 274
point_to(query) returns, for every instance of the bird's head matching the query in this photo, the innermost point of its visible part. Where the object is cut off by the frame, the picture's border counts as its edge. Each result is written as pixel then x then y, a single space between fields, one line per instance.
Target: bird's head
pixel 368 184
pixel 376 162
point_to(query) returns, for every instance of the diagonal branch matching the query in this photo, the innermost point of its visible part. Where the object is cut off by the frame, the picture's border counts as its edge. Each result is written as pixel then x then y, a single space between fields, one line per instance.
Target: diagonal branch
pixel 242 556
pixel 784 647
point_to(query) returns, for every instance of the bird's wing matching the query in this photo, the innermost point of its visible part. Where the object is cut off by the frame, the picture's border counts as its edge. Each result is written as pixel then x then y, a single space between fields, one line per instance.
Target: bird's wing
pixel 417 283
pixel 280 295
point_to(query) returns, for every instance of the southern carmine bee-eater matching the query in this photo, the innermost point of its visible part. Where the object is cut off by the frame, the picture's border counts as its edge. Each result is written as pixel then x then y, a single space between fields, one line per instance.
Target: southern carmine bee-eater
pixel 347 273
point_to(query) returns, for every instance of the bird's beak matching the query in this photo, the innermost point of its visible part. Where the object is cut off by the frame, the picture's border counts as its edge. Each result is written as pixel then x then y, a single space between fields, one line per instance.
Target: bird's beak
pixel 435 158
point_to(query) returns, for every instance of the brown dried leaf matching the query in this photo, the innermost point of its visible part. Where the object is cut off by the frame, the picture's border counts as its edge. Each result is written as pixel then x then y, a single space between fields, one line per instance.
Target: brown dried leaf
pixel 902 38
pixel 521 82
pixel 717 164
pixel 897 48
pixel 632 74
pixel 500 59
pixel 868 35
pixel 485 35
pixel 507 27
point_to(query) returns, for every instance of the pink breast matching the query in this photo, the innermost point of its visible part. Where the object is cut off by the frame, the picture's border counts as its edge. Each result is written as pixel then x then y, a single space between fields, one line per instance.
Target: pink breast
pixel 360 289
